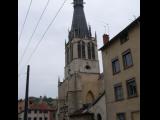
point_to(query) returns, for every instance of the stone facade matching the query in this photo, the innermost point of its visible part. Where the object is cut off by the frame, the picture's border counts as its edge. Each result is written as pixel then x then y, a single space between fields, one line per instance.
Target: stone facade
pixel 124 48
pixel 81 84
pixel 98 108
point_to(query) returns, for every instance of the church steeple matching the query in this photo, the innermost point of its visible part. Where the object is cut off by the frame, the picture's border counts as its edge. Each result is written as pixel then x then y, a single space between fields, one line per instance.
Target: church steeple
pixel 79 27
pixel 81 52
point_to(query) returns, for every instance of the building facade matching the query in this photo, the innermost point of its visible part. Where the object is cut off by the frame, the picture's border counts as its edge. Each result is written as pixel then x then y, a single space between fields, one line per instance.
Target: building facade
pixel 121 65
pixel 38 108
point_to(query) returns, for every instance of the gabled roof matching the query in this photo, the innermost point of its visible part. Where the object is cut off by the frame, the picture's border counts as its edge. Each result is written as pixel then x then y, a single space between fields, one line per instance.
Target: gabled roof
pixel 121 33
pixel 41 106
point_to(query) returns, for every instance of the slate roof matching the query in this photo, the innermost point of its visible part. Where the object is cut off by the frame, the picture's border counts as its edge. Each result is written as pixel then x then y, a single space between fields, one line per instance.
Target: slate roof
pixel 79 26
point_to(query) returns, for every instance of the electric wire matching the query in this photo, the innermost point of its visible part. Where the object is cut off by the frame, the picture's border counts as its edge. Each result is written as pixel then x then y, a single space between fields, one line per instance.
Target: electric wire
pixel 25 21
pixel 37 45
pixel 30 39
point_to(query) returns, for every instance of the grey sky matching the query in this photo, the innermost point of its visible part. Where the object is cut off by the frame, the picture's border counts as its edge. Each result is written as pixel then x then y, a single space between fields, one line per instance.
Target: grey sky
pixel 48 61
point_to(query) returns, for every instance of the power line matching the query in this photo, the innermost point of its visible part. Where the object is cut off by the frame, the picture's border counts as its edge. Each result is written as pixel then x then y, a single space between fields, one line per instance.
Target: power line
pixel 30 39
pixel 46 31
pixel 25 20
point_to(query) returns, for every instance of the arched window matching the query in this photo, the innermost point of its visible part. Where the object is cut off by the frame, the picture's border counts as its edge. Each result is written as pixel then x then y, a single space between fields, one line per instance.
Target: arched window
pixel 89 97
pixel 79 49
pixel 93 51
pixel 89 50
pixel 83 50
pixel 99 117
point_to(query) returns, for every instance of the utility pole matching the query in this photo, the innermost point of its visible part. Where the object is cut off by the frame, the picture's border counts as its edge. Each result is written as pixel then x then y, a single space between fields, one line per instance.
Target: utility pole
pixel 26 95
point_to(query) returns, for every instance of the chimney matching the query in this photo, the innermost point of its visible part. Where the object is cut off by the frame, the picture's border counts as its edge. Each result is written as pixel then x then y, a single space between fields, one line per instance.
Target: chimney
pixel 105 39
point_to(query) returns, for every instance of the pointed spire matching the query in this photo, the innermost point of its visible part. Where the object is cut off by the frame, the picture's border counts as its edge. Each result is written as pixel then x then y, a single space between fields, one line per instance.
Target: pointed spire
pixel 79 25
pixel 90 34
pixel 59 81
pixel 95 35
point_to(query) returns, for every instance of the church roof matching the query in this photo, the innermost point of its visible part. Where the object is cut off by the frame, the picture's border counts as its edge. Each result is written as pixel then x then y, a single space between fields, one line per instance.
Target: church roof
pixel 79 26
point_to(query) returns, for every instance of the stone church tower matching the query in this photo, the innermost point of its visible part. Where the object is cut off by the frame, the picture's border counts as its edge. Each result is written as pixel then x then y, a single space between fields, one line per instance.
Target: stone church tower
pixel 80 85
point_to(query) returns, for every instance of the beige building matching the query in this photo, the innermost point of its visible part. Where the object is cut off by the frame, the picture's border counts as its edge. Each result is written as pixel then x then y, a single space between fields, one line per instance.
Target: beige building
pixel 121 64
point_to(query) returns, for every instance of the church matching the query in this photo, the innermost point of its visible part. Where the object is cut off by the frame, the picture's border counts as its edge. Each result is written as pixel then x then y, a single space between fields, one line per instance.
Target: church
pixel 82 84
pixel 87 94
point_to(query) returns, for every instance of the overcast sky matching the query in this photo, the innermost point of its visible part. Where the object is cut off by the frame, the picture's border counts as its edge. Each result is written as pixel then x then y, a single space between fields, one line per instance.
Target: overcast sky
pixel 48 61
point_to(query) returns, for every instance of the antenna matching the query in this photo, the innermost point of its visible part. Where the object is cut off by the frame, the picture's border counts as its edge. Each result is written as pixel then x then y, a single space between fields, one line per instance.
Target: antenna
pixel 107 27
pixel 134 17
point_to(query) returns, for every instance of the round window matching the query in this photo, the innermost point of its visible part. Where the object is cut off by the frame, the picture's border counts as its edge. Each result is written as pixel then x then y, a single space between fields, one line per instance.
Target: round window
pixel 88 67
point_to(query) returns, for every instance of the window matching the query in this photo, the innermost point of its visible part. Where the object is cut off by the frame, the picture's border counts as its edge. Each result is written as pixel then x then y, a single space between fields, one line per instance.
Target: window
pixel 99 117
pixel 29 118
pixel 40 111
pixel 79 49
pixel 131 87
pixel 89 50
pixel 35 118
pixel 93 51
pixel 40 118
pixel 45 111
pixel 35 111
pixel 89 97
pixel 127 59
pixel 118 92
pixel 45 118
pixel 29 111
pixel 121 116
pixel 115 66
pixel 124 38
pixel 87 67
pixel 83 50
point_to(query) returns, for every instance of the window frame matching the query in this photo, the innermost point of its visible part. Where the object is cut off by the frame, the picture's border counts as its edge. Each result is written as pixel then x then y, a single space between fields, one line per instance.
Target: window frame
pixel 127 82
pixel 121 114
pixel 124 38
pixel 83 50
pixel 113 61
pixel 115 92
pixel 89 50
pixel 40 118
pixel 29 111
pixel 79 48
pixel 125 66
pixel 93 51
pixel 40 111
pixel 34 118
pixel 29 118
pixel 35 111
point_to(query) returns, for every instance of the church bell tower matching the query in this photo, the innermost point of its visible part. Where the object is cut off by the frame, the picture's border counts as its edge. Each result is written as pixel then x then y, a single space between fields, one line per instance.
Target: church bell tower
pixel 81 54
pixel 80 85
